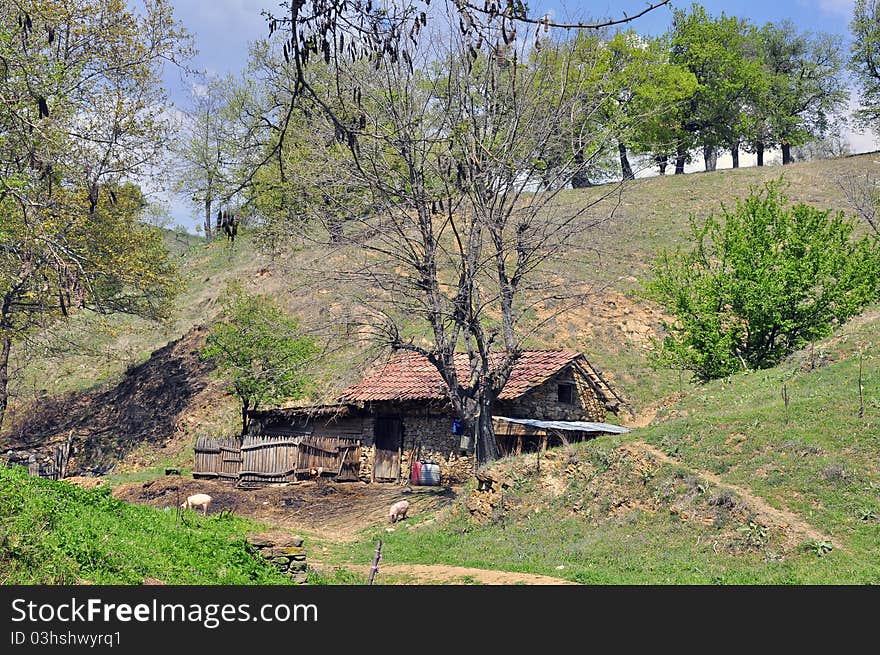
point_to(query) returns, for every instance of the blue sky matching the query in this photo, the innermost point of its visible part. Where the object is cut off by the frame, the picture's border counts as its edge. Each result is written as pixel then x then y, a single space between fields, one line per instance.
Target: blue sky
pixel 223 28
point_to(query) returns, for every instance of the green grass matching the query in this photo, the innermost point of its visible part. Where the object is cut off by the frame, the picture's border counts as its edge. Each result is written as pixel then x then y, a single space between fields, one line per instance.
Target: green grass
pixel 636 546
pixel 55 533
pixel 818 459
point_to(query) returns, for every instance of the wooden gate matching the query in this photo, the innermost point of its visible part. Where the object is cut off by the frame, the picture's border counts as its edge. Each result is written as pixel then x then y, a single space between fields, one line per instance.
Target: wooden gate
pixel 338 456
pixel 269 459
pixel 388 433
pixel 217 458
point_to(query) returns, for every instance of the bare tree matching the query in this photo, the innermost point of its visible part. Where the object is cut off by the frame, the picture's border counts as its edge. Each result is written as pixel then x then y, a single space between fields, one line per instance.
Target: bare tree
pixel 862 193
pixel 463 224
pixel 202 172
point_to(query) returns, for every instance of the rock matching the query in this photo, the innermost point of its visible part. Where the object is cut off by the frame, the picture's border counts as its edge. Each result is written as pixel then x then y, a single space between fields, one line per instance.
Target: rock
pixel 260 542
pixel 288 551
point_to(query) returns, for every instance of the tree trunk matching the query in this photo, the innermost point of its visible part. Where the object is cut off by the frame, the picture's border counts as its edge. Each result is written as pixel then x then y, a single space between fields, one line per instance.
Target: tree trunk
pixel 680 159
pixel 759 151
pixel 661 161
pixel 734 154
pixel 335 230
pixel 208 234
pixel 710 157
pixel 625 168
pixel 245 405
pixel 485 444
pixel 786 154
pixel 581 179
pixel 4 376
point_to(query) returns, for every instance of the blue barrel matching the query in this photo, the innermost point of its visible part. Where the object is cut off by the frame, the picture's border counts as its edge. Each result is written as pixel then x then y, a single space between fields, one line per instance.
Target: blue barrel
pixel 429 474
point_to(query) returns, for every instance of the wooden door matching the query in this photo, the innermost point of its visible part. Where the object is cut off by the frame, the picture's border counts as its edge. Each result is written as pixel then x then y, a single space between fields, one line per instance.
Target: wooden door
pixel 388 433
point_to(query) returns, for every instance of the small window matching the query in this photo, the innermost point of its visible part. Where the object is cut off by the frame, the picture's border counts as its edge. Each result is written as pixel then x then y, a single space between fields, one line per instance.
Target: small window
pixel 565 394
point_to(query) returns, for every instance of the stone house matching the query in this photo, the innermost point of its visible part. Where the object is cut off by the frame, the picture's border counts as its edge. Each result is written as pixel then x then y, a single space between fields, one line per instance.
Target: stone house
pixel 400 413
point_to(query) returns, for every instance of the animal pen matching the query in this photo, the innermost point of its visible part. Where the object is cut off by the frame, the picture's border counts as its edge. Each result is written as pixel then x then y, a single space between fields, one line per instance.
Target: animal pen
pixel 259 459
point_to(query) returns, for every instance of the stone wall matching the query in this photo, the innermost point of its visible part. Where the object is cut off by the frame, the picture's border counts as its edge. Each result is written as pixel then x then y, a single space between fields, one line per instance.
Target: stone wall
pixel 543 403
pixel 288 556
pixel 427 436
pixel 430 438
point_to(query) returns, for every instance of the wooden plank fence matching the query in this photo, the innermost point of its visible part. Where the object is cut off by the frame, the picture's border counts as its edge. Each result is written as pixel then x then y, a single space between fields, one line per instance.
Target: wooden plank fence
pixel 268 459
pixel 339 456
pixel 217 458
pixel 276 458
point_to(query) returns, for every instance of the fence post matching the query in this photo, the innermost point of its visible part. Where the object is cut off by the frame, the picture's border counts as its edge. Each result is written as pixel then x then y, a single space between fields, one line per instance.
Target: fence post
pixel 374 569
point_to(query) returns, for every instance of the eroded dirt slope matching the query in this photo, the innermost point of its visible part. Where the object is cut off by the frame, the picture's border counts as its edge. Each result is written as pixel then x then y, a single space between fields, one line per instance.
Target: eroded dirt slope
pixel 145 407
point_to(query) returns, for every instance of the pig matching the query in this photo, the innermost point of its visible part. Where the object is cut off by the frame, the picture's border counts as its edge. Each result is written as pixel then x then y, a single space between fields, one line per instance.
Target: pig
pixel 398 511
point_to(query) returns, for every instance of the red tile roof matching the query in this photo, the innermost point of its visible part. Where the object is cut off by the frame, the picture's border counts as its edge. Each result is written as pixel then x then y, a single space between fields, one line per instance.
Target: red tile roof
pixel 410 376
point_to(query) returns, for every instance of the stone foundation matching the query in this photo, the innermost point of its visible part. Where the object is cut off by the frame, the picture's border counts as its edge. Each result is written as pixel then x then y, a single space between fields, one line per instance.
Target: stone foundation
pixel 287 556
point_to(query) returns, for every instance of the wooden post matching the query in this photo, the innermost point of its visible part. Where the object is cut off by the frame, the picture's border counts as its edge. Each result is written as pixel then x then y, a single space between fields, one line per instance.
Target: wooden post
pixel 544 442
pixel 785 400
pixel 519 441
pixel 399 456
pixel 861 393
pixel 374 568
pixel 179 510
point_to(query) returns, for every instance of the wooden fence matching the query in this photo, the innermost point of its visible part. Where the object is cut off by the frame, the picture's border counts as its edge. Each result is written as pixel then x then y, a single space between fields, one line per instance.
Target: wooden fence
pixel 338 456
pixel 276 459
pixel 217 458
pixel 268 459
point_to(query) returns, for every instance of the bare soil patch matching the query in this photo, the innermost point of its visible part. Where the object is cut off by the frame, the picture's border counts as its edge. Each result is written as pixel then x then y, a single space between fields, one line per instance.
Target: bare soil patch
pixel 147 406
pixel 332 510
pixel 445 574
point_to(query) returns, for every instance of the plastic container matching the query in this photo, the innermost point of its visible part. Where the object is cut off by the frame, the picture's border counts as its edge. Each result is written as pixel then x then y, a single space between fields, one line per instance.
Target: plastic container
pixel 415 474
pixel 429 474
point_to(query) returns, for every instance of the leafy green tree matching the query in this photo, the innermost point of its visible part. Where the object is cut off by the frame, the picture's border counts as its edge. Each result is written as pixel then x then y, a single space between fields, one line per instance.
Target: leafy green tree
pixel 81 114
pixel 760 282
pixel 645 94
pixel 802 91
pixel 261 350
pixel 865 59
pixel 204 150
pixel 716 51
pixel 659 102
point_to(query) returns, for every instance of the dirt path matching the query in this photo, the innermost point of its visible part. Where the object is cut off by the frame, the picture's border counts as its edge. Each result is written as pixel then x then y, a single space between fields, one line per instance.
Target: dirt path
pixel 444 574
pixel 784 519
pixel 647 415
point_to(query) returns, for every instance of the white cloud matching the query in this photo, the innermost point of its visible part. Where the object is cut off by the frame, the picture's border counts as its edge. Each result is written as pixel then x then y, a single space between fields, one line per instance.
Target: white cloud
pixel 838 7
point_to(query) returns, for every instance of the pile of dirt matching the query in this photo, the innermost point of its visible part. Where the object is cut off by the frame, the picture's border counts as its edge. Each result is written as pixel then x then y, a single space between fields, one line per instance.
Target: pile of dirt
pixel 335 510
pixel 146 406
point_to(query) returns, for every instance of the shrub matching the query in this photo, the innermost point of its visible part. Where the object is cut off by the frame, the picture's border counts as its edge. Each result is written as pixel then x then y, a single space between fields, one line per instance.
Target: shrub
pixel 759 283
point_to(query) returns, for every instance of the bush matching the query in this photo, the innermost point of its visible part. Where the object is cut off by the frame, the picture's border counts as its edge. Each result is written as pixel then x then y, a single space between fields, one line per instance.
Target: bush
pixel 759 283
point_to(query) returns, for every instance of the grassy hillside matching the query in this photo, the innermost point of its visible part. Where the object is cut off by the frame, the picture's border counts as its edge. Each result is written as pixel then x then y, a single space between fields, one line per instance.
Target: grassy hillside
pixel 55 533
pixel 728 486
pixel 614 329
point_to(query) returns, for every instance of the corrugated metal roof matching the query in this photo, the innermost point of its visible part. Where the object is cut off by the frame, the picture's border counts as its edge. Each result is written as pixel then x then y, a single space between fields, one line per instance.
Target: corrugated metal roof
pixel 410 376
pixel 576 426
